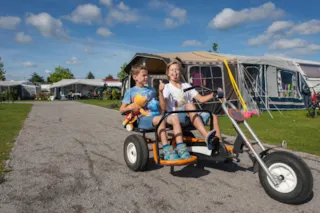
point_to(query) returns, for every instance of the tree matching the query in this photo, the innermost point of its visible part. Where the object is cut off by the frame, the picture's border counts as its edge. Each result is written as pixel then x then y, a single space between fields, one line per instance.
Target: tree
pixel 2 71
pixel 122 74
pixel 36 78
pixel 109 76
pixel 59 74
pixel 90 75
pixel 215 47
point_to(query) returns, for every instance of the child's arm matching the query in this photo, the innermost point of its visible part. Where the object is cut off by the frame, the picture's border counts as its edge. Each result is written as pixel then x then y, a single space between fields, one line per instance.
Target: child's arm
pixel 162 100
pixel 203 99
pixel 129 107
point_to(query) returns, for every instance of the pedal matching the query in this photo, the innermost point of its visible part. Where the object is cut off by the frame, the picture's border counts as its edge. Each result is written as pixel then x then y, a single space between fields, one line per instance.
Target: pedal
pixel 214 144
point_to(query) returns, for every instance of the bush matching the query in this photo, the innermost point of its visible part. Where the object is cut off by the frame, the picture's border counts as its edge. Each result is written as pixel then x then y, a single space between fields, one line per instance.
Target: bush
pixel 42 96
pixel 116 94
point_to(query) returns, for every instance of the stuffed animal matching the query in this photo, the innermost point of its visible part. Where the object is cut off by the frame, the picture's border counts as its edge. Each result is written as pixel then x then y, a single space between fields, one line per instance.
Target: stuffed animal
pixel 153 105
pixel 132 116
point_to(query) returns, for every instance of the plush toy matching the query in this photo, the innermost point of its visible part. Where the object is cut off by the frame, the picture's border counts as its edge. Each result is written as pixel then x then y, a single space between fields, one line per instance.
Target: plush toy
pixel 153 105
pixel 132 116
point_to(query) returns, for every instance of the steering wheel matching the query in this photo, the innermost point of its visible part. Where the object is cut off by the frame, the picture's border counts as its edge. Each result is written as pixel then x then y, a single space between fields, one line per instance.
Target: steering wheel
pixel 218 94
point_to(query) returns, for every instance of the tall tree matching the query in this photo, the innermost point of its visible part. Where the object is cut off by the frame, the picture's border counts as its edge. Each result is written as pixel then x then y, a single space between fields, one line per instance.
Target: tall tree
pixel 122 74
pixel 36 78
pixel 90 75
pixel 109 76
pixel 2 71
pixel 59 74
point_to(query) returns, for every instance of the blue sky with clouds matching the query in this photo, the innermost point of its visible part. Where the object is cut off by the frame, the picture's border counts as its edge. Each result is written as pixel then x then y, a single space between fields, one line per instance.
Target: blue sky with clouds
pixel 100 35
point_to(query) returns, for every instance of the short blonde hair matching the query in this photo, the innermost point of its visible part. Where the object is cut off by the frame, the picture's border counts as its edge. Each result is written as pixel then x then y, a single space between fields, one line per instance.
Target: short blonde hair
pixel 171 63
pixel 135 70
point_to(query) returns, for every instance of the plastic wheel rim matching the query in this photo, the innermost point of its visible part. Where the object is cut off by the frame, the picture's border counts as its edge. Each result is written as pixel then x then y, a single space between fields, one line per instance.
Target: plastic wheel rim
pixel 132 153
pixel 289 181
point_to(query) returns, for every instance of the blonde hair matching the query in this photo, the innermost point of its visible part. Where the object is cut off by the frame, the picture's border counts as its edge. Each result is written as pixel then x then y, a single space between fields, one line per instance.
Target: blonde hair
pixel 172 63
pixel 135 70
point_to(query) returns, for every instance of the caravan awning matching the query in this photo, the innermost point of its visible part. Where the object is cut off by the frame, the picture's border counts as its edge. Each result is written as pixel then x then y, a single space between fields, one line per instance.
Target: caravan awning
pixel 158 62
pixel 269 60
pixel 11 83
pixel 89 82
pixel 311 71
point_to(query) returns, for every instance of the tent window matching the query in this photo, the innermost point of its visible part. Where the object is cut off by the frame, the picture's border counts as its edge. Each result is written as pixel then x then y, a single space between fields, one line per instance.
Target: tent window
pixel 287 84
pixel 207 76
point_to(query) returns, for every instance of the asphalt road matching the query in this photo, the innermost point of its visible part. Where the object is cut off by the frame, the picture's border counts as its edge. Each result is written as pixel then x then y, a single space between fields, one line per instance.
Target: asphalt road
pixel 69 158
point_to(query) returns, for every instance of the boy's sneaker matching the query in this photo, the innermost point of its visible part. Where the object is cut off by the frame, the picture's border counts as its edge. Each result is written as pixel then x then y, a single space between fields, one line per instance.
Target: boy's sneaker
pixel 182 151
pixel 211 139
pixel 169 153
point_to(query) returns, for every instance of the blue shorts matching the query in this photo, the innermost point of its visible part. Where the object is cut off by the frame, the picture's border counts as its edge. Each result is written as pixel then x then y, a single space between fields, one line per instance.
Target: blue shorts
pixel 145 122
pixel 184 117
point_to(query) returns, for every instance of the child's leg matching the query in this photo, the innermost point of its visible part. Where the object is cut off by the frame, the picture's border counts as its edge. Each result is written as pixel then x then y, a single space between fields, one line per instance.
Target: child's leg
pixel 169 153
pixel 197 122
pixel 181 148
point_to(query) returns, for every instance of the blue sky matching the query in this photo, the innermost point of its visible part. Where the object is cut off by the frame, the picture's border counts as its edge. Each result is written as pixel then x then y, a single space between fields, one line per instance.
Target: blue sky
pixel 100 35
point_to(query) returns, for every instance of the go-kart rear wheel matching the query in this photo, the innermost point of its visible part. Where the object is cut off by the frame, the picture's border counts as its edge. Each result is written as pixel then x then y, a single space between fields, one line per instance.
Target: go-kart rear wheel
pixel 296 178
pixel 136 152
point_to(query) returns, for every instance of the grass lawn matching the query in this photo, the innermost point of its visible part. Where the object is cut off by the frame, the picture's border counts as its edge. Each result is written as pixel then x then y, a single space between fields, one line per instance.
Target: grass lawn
pixel 301 132
pixel 12 117
pixel 100 103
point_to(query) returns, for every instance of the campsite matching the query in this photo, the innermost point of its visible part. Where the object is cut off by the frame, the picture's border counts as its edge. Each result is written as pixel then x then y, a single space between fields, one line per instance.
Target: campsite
pixel 159 106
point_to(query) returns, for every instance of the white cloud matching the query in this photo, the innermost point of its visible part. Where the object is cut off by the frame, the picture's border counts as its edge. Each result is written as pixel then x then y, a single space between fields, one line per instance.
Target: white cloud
pixel 108 3
pixel 274 31
pixel 9 22
pixel 229 18
pixel 122 6
pixel 191 43
pixel 22 38
pixel 288 44
pixel 86 13
pixel 47 71
pixel 122 14
pixel 307 50
pixel 177 16
pixel 29 64
pixel 306 28
pixel 88 51
pixel 73 60
pixel 279 26
pixel 47 25
pixel 103 32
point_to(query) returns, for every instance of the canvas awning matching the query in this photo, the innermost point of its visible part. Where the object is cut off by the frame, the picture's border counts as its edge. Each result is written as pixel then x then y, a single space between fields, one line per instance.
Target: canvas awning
pixel 11 83
pixel 157 62
pixel 311 71
pixel 89 82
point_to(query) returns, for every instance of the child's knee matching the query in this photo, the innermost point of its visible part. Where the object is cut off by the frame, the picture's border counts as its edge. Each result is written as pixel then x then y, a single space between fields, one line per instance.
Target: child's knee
pixel 175 120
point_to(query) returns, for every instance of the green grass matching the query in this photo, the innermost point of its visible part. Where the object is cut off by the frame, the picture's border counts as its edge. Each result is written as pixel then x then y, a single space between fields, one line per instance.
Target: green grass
pixel 301 132
pixel 12 117
pixel 101 103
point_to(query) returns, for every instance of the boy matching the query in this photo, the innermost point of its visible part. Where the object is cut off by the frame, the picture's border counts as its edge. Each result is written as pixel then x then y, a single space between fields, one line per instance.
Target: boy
pixel 172 98
pixel 140 76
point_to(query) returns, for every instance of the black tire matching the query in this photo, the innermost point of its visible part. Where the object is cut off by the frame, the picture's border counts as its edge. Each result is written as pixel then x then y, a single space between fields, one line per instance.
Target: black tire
pixel 304 179
pixel 139 162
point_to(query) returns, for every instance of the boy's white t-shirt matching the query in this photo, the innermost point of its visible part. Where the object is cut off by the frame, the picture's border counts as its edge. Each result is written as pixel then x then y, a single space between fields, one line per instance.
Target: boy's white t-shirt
pixel 176 97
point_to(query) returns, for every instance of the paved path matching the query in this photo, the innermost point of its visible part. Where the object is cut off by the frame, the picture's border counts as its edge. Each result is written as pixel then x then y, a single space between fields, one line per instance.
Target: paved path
pixel 69 158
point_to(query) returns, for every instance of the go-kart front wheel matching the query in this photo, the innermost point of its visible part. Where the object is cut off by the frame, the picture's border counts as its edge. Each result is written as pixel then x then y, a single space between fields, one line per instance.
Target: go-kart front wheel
pixel 296 178
pixel 136 152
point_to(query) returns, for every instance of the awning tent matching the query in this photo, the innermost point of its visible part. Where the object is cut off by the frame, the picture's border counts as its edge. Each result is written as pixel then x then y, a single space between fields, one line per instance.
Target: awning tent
pixel 25 89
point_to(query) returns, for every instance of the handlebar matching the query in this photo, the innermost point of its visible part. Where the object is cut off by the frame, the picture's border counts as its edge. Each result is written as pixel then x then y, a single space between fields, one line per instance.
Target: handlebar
pixel 219 94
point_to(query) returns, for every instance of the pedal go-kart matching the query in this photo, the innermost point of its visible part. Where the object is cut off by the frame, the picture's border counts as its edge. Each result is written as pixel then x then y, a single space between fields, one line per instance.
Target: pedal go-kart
pixel 284 176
